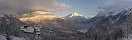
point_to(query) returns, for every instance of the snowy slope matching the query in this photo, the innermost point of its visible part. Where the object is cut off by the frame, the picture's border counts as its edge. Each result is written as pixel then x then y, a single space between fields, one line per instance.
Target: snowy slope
pixel 117 19
pixel 108 14
pixel 76 17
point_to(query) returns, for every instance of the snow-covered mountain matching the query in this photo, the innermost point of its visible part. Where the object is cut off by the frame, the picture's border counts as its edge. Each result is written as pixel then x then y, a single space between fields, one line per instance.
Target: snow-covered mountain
pixel 106 14
pixel 76 17
pixel 101 16
pixel 74 14
pixel 112 27
pixel 112 20
pixel 71 27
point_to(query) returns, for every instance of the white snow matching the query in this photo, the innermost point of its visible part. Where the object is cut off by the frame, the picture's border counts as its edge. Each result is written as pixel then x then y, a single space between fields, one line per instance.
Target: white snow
pixel 28 29
pixel 127 37
pixel 68 31
pixel 116 19
pixel 106 14
pixel 16 38
pixel 76 17
pixel 75 14
pixel 2 37
pixel 83 30
pixel 128 12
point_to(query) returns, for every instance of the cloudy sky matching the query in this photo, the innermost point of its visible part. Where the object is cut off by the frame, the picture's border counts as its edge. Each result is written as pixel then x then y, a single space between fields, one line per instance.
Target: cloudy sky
pixel 65 7
pixel 91 7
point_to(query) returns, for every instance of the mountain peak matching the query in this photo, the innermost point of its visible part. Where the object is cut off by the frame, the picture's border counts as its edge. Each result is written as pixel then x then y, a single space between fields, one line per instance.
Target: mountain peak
pixel 75 14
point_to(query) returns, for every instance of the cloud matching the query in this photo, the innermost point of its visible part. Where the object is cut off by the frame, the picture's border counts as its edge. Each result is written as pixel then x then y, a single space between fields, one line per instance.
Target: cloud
pixel 25 5
pixel 50 5
pixel 61 6
pixel 118 5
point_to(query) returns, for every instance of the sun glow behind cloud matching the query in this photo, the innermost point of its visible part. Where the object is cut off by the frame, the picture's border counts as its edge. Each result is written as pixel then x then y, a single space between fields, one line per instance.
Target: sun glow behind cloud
pixel 40 17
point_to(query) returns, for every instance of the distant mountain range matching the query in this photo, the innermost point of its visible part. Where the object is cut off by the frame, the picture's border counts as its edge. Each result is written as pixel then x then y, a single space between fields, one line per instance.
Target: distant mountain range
pixel 117 19
pixel 71 27
pixel 72 17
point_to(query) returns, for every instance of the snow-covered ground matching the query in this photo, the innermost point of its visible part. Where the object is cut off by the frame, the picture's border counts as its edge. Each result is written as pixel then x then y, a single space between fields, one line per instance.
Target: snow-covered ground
pixel 2 37
pixel 128 37
pixel 16 38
